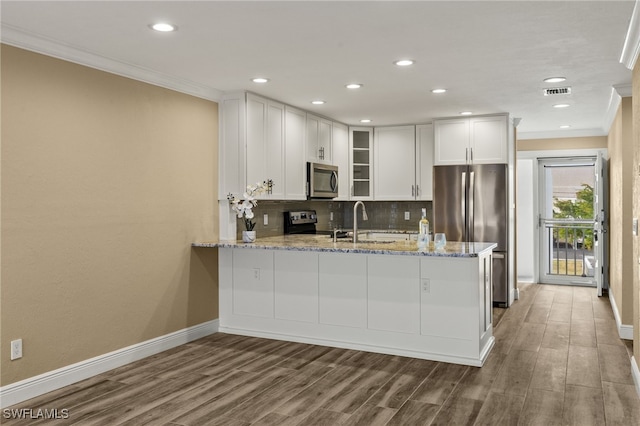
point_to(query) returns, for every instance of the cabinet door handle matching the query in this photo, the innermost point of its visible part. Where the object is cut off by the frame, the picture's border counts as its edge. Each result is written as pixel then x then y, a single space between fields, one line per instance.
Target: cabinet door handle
pixel 466 155
pixel 471 149
pixel 321 155
pixel 417 190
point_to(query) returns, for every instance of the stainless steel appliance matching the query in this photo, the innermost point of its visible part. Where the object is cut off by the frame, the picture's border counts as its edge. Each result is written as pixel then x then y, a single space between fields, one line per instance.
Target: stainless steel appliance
pixel 470 204
pixel 322 180
pixel 300 222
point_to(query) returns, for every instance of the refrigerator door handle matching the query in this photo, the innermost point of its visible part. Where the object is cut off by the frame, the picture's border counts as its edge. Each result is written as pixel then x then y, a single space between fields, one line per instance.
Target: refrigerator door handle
pixel 472 190
pixel 463 203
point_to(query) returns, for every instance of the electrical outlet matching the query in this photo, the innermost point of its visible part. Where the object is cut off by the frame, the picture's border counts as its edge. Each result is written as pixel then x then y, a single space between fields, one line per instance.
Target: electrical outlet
pixel 635 227
pixel 407 216
pixel 256 273
pixel 16 349
pixel 265 219
pixel 426 286
pixel 331 216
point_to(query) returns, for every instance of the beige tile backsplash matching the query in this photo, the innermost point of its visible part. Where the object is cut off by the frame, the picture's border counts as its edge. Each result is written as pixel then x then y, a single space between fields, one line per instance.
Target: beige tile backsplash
pixel 382 215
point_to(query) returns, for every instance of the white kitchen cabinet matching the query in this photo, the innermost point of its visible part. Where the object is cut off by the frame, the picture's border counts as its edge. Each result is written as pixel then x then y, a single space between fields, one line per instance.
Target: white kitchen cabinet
pixel 489 140
pixel 343 290
pixel 295 173
pixel 360 159
pixel 424 162
pixel 296 286
pixel 253 283
pixel 319 132
pixel 394 163
pixel 265 144
pixel 340 155
pixel 403 167
pixel 474 140
pixel 393 296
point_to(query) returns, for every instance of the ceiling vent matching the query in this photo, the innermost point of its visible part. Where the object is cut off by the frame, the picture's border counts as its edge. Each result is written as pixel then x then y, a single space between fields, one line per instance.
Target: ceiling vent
pixel 557 91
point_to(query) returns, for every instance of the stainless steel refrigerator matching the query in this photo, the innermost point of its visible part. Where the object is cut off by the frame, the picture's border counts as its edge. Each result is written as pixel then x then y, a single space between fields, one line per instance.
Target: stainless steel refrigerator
pixel 470 205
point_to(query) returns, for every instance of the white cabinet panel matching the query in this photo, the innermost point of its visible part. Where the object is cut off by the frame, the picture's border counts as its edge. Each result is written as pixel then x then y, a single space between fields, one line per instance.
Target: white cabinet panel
pixel 295 163
pixel 451 141
pixel 265 144
pixel 256 139
pixel 340 155
pixel 449 302
pixel 318 139
pixel 231 161
pixel 489 140
pixel 324 140
pixel 296 286
pixel 253 282
pixel 424 162
pixel 394 294
pixel 394 163
pixel 343 290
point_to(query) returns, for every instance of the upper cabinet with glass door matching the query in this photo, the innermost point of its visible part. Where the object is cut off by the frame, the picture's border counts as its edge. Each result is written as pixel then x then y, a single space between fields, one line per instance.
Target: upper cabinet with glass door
pixel 361 150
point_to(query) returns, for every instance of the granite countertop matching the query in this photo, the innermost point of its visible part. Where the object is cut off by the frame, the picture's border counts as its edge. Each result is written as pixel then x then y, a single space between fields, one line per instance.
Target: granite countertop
pixel 324 243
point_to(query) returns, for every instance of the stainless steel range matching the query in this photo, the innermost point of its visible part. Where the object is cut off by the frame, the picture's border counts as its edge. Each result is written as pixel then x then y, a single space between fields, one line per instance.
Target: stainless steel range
pixel 300 222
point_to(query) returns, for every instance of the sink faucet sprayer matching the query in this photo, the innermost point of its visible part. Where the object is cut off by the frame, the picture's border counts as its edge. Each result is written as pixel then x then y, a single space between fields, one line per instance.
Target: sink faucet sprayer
pixel 355 219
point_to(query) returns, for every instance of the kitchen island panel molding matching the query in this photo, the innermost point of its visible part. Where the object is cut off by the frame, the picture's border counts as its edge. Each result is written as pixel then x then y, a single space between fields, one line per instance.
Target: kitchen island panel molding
pixel 371 302
pixel 393 298
pixel 343 290
pixel 296 286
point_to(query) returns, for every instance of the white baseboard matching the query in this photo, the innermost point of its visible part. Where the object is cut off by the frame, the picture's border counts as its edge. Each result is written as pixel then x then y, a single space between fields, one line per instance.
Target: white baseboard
pixel 624 331
pixel 15 393
pixel 635 373
pixel 388 350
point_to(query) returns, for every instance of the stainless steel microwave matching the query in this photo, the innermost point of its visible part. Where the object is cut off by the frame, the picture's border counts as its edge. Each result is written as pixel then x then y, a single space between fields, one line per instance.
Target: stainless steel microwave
pixel 322 180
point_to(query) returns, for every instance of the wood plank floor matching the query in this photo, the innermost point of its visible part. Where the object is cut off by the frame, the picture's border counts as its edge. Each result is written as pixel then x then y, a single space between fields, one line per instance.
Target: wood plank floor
pixel 557 361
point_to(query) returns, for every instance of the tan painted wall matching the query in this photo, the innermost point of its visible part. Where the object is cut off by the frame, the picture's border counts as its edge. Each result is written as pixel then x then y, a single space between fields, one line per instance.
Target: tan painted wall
pixel 592 142
pixel 105 183
pixel 636 211
pixel 620 149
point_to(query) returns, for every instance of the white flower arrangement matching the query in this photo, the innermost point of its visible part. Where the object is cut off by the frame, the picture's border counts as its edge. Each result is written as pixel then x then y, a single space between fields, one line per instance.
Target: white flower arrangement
pixel 244 208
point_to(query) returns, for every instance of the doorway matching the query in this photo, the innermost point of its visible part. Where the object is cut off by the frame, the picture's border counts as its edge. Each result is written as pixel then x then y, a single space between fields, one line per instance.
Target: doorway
pixel 571 221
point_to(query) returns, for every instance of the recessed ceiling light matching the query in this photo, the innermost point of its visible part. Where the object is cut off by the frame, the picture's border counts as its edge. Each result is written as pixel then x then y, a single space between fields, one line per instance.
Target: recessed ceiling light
pixel 561 105
pixel 365 120
pixel 565 126
pixel 554 79
pixel 353 86
pixel 404 62
pixel 163 27
pixel 260 80
pixel 318 102
pixel 466 113
pixel 438 90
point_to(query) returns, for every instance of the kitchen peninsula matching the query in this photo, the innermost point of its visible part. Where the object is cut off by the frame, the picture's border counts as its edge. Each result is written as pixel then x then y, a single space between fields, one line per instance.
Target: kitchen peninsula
pixel 386 297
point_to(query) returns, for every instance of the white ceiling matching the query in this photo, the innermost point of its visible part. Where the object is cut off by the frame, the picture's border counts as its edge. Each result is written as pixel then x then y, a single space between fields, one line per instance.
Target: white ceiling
pixel 491 56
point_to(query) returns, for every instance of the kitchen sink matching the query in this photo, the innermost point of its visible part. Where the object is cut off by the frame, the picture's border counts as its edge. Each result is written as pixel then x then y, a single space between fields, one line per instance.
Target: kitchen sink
pixel 378 237
pixel 386 236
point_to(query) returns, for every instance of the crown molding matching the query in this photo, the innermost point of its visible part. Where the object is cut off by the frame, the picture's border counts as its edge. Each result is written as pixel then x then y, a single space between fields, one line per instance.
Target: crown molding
pixel 18 38
pixel 631 47
pixel 624 90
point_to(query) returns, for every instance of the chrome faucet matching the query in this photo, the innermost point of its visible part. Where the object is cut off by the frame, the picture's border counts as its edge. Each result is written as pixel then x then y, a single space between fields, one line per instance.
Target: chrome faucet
pixel 355 219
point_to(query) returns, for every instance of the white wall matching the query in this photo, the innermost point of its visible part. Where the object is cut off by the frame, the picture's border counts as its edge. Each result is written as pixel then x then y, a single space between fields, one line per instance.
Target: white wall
pixel 526 220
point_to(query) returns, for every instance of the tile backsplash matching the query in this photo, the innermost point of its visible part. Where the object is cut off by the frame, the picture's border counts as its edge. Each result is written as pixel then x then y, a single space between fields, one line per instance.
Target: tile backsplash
pixel 382 215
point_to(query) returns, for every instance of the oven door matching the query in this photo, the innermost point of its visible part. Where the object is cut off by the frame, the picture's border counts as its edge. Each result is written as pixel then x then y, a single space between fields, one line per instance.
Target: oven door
pixel 322 180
